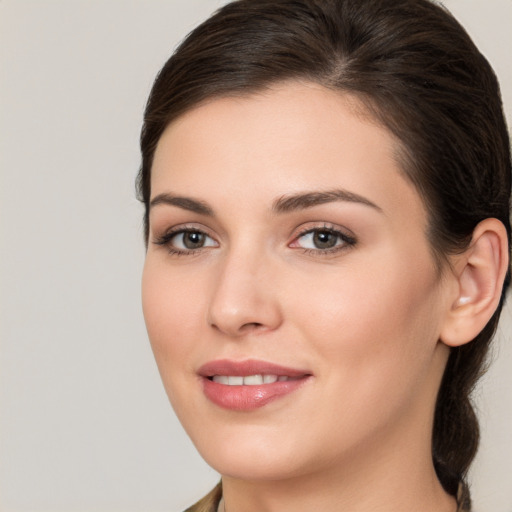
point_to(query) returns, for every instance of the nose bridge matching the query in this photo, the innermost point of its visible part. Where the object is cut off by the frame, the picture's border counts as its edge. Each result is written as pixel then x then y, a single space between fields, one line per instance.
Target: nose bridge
pixel 244 296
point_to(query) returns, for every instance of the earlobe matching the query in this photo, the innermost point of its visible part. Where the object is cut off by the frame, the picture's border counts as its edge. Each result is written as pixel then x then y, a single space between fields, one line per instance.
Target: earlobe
pixel 479 272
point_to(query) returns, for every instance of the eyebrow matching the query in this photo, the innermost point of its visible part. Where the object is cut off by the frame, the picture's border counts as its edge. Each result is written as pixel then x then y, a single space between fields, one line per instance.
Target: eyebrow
pixel 284 204
pixel 305 200
pixel 186 203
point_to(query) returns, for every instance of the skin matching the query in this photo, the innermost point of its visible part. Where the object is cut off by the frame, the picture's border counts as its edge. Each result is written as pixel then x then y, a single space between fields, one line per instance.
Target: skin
pixel 365 319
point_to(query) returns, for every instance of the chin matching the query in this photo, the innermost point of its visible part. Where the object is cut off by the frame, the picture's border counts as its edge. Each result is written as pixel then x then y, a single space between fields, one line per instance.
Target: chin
pixel 253 456
pixel 246 467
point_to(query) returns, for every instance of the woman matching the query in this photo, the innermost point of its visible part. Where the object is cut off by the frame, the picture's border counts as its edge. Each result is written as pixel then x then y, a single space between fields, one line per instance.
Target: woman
pixel 327 186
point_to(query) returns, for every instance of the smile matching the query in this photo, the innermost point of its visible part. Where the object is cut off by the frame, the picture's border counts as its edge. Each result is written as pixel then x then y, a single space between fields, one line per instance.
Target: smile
pixel 249 385
pixel 250 380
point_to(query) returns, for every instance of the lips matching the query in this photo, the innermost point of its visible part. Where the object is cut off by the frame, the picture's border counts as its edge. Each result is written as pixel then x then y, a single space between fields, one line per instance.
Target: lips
pixel 250 384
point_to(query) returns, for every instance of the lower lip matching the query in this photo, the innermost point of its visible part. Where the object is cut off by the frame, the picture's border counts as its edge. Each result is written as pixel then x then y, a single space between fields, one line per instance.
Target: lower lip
pixel 248 398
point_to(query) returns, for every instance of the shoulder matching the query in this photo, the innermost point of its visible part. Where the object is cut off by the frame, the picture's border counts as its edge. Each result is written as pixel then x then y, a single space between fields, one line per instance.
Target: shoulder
pixel 210 502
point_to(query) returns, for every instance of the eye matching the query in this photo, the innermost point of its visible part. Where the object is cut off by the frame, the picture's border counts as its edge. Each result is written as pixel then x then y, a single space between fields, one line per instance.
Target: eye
pixel 190 240
pixel 185 241
pixel 323 240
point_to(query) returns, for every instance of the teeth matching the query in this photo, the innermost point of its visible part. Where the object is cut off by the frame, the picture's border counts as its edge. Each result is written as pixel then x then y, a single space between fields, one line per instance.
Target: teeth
pixel 249 380
pixel 253 380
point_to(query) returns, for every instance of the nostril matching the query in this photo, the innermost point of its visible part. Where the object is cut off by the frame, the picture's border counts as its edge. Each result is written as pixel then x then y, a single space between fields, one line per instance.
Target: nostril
pixel 251 325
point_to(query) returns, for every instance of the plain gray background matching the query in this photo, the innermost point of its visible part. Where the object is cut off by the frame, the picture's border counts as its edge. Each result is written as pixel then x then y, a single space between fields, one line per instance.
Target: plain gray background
pixel 84 422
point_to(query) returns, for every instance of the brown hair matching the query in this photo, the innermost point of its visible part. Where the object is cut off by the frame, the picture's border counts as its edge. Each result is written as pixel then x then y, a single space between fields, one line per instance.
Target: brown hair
pixel 418 72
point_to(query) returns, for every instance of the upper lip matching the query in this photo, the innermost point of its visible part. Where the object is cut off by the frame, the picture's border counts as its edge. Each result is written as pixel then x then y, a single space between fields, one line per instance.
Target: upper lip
pixel 248 367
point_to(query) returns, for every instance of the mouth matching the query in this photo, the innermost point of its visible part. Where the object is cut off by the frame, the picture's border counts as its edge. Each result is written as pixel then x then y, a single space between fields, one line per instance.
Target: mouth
pixel 250 380
pixel 248 385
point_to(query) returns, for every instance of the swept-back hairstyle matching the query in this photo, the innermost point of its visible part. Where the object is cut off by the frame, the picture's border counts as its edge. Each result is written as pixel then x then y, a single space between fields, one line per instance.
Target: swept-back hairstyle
pixel 419 74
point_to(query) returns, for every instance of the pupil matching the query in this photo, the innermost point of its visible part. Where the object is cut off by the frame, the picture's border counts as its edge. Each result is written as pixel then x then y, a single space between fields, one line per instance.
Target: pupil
pixel 324 239
pixel 193 240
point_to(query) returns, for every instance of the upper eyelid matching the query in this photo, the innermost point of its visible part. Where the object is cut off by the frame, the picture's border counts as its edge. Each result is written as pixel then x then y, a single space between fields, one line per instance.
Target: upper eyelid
pixel 327 226
pixel 180 228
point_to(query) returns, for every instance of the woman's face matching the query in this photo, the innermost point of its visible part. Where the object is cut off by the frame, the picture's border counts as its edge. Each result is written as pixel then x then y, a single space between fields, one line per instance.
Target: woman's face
pixel 287 247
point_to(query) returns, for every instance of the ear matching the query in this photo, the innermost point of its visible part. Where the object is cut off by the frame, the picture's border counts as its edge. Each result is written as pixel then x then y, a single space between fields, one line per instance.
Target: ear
pixel 479 273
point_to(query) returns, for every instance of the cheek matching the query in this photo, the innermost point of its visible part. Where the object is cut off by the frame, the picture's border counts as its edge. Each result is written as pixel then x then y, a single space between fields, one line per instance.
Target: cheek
pixel 172 307
pixel 374 322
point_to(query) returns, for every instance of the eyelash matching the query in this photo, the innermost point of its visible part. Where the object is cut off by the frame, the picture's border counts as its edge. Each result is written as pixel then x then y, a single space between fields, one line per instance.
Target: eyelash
pixel 165 240
pixel 348 240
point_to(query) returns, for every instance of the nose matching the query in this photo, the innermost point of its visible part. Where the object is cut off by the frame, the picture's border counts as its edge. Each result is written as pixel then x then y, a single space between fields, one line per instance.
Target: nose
pixel 245 297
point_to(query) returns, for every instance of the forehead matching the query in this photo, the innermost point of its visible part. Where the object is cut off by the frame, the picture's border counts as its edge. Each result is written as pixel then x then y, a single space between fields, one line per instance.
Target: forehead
pixel 284 139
